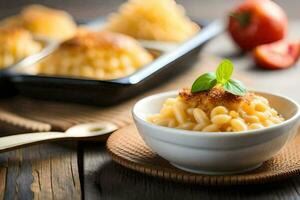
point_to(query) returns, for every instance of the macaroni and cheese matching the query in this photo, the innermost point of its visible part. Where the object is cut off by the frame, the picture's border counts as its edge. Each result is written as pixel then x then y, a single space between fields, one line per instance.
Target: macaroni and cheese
pixel 216 111
pixel 99 55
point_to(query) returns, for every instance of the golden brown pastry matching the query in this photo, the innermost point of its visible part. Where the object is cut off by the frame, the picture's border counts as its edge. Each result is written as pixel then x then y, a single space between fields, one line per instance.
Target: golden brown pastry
pixel 99 55
pixel 162 20
pixel 15 44
pixel 44 21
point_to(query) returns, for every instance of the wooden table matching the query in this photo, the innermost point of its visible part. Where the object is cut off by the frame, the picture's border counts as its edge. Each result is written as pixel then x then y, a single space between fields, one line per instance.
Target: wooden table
pixel 75 170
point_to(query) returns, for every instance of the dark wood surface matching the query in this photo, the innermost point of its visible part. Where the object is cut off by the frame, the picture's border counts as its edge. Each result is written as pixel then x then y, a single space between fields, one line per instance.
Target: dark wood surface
pixel 69 170
pixel 45 171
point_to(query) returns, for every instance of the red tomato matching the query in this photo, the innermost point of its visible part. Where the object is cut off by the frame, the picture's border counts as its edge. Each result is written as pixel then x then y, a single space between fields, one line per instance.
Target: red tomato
pixel 256 22
pixel 278 55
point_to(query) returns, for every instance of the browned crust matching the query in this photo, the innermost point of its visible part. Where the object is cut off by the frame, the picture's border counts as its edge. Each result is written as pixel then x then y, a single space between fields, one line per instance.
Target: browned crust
pixel 103 39
pixel 216 96
pixel 12 31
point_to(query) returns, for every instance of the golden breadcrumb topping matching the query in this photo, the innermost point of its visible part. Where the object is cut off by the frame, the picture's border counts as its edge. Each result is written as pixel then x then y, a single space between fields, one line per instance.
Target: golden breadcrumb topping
pixel 217 96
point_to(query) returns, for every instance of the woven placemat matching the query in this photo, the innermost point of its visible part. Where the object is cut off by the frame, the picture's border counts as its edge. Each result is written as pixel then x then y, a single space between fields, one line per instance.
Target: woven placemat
pixel 128 149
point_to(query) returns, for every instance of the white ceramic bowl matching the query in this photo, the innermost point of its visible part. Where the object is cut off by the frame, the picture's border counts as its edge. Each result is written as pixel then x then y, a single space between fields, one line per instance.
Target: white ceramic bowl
pixel 217 152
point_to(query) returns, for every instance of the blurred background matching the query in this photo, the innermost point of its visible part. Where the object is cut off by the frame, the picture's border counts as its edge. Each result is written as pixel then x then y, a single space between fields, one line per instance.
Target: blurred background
pixel 89 9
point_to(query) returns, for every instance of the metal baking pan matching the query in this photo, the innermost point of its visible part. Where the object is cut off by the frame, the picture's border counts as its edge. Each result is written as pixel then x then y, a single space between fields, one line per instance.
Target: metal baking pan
pixel 109 92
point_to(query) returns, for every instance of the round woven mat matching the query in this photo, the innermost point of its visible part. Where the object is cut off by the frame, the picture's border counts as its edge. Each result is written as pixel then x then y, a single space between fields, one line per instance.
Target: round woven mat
pixel 128 149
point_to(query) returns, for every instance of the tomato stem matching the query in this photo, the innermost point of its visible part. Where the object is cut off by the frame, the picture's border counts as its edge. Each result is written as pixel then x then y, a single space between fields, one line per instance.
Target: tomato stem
pixel 243 18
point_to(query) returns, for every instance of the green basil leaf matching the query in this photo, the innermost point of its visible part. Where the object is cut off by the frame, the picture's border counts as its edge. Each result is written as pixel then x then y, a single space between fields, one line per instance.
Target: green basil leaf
pixel 204 82
pixel 235 87
pixel 224 71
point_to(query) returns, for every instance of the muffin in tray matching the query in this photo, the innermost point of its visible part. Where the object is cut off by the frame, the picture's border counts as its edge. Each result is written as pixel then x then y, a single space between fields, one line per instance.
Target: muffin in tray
pixel 16 44
pixel 98 55
pixel 153 20
pixel 43 21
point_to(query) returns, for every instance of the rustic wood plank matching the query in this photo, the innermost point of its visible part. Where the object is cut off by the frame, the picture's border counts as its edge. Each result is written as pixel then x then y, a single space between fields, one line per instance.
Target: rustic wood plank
pixel 94 160
pixel 55 172
pixel 46 171
pixel 11 171
pixel 18 178
pixel 2 181
pixel 3 167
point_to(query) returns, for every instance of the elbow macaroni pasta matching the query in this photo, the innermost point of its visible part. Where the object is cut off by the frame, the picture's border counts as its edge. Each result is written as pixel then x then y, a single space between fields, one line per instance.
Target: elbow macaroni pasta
pixel 256 114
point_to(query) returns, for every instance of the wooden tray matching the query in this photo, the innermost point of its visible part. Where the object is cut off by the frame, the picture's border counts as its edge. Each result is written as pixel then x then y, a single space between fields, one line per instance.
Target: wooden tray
pixel 128 149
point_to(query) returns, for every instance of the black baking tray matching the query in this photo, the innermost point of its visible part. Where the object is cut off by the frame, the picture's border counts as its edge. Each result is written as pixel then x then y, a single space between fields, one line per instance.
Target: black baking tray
pixel 109 92
pixel 7 88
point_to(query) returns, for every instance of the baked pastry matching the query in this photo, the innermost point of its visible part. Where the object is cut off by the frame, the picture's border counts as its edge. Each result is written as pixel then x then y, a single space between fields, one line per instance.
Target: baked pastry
pixel 44 21
pixel 153 20
pixel 15 44
pixel 98 55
